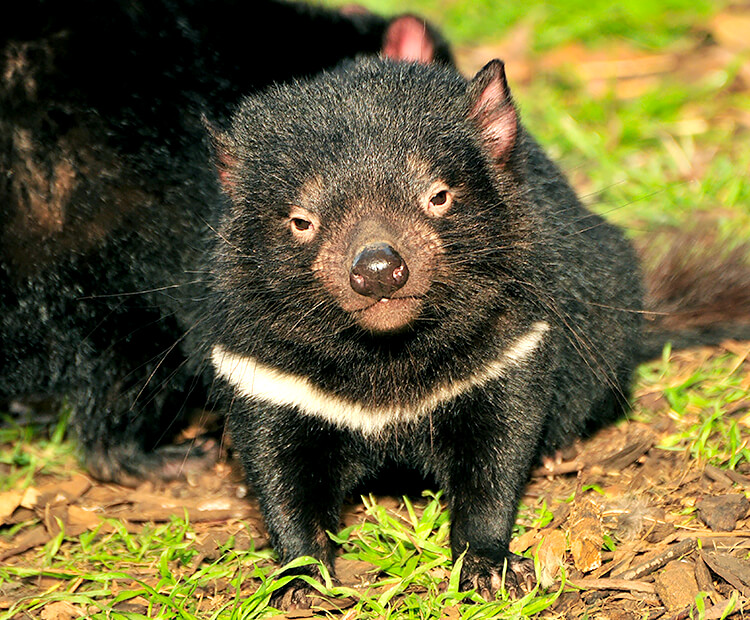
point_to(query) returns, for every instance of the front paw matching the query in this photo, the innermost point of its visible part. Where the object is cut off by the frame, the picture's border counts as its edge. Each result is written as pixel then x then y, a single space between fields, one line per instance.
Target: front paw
pixel 295 595
pixel 298 593
pixel 486 577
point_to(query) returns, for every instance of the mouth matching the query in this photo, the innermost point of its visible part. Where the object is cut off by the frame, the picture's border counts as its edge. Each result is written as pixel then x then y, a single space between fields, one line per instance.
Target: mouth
pixel 388 314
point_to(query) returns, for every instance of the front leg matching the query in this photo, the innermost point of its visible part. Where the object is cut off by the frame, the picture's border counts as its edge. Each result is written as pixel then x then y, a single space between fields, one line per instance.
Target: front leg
pixel 488 445
pixel 295 465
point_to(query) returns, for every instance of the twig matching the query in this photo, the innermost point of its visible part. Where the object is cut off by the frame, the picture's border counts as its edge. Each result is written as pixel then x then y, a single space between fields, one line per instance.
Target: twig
pixel 655 563
pixel 614 584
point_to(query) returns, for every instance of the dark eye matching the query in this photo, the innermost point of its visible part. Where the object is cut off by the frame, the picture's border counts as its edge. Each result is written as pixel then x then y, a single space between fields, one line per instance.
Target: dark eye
pixel 437 202
pixel 440 198
pixel 301 224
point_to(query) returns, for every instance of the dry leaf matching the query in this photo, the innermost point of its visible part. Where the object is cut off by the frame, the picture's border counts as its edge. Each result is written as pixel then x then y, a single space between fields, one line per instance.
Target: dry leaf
pixel 551 552
pixel 586 536
pixel 9 501
pixel 525 541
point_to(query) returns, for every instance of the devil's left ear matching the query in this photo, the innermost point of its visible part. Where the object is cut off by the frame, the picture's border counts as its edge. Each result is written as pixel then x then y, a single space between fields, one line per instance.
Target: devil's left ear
pixel 224 154
pixel 491 108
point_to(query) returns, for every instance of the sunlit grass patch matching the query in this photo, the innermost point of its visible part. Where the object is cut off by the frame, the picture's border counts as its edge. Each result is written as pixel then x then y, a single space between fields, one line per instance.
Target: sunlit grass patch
pixel 410 548
pixel 659 160
pixel 28 450
pixel 708 403
pixel 647 24
pixel 112 572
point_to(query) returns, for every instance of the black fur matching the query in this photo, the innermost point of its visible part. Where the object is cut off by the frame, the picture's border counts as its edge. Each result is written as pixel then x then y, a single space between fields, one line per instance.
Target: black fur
pixel 107 197
pixel 516 248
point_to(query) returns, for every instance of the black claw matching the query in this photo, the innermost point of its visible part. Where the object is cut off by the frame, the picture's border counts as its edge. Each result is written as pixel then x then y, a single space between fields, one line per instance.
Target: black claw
pixel 487 578
pixel 295 596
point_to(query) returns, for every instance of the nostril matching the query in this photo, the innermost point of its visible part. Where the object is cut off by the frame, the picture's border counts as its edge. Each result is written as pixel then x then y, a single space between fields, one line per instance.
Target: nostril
pixel 378 271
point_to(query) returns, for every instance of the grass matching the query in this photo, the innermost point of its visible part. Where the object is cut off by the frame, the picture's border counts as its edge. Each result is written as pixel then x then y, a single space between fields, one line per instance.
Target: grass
pixel 28 451
pixel 118 574
pixel 667 158
pixel 636 161
pixel 596 22
pixel 104 573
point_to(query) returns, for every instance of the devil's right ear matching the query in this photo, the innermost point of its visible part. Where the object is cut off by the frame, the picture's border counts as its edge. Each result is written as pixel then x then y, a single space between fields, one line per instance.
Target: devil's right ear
pixel 224 155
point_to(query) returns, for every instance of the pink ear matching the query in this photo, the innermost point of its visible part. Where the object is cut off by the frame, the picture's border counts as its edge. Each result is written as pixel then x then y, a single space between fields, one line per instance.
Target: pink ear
pixel 491 108
pixel 225 160
pixel 407 38
pixel 225 164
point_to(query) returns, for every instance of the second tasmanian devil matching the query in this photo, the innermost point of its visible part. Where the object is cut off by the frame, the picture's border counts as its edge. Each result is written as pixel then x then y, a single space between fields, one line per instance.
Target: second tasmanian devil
pixel 403 278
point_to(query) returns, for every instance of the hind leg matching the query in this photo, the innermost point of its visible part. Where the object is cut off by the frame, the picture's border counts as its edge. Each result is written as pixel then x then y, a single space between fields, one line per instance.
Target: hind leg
pixel 134 399
pixel 124 440
pixel 120 448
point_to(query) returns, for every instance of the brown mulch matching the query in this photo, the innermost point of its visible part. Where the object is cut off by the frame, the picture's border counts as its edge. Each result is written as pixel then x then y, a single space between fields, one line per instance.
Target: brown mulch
pixel 642 498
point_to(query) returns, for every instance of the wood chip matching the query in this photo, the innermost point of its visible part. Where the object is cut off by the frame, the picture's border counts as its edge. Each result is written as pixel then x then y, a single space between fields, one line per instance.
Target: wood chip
pixel 718 475
pixel 655 562
pixel 78 517
pixel 705 583
pixel 452 612
pixel 737 477
pixel 638 443
pixel 61 610
pixel 720 610
pixel 30 498
pixel 735 571
pixel 354 573
pixel 67 491
pixel 34 537
pixel 730 29
pixel 55 517
pixel 614 584
pixel 676 585
pixel 160 508
pixel 9 501
pixel 721 512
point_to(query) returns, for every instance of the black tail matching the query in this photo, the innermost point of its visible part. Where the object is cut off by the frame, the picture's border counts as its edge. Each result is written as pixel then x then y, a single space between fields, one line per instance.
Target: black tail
pixel 697 292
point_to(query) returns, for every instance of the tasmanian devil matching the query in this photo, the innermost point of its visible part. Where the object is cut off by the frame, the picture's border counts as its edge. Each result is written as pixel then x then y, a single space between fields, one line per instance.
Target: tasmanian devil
pixel 105 194
pixel 402 278
pixel 395 276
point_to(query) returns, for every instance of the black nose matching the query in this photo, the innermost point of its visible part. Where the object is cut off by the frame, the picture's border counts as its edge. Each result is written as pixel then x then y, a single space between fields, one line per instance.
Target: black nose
pixel 378 271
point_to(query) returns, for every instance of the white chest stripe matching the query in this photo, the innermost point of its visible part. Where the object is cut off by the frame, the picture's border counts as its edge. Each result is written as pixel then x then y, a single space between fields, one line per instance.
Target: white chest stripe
pixel 252 379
